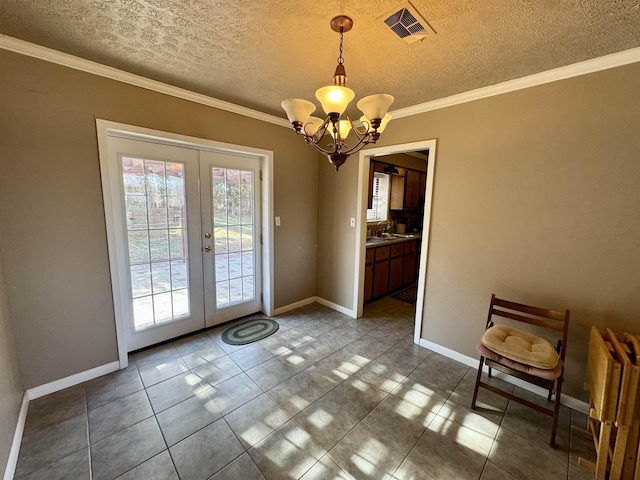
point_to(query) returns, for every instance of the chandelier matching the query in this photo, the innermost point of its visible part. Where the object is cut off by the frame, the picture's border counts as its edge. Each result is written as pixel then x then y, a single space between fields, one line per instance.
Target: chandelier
pixel 334 100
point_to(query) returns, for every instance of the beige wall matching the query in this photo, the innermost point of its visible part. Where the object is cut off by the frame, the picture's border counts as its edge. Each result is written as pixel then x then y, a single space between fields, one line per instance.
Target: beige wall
pixel 51 214
pixel 11 390
pixel 336 238
pixel 536 198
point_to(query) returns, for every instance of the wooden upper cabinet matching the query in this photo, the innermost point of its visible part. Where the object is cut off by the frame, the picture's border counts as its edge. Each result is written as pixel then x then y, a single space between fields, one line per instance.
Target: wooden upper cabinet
pixel 396 200
pixel 423 186
pixel 412 189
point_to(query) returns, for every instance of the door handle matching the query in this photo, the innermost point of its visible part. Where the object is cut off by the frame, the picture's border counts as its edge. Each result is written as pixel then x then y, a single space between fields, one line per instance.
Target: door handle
pixel 207 248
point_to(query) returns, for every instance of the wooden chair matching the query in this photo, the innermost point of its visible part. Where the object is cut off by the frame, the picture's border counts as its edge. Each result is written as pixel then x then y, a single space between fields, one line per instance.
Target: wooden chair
pixel 519 365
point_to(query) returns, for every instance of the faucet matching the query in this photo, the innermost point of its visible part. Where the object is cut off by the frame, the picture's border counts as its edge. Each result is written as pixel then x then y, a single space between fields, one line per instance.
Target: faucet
pixel 380 231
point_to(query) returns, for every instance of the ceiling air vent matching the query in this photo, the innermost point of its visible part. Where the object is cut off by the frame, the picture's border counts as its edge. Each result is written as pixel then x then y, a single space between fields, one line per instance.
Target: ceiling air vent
pixel 406 23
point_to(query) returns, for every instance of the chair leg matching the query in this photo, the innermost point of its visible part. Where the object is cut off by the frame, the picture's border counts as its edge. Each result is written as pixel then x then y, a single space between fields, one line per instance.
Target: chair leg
pixel 475 390
pixel 556 412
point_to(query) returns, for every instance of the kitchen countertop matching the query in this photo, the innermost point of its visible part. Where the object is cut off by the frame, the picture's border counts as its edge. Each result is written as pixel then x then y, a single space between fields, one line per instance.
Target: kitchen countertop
pixel 393 238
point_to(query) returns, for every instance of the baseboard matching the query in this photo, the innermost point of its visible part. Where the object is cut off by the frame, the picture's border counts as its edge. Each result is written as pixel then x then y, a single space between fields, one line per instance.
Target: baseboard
pixel 310 300
pixel 566 400
pixel 336 307
pixel 12 461
pixel 78 378
pixel 293 306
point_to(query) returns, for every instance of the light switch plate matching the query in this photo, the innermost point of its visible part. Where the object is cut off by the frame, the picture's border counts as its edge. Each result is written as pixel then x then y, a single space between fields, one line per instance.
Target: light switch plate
pixel 277 221
pixel 353 221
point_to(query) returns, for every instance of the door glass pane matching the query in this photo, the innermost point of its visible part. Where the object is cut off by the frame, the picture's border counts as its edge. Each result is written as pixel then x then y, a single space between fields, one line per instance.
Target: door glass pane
pixel 157 237
pixel 232 199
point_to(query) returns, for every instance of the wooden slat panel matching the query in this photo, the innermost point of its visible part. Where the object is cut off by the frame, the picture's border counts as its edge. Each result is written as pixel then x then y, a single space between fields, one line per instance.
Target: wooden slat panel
pixel 529 309
pixel 628 383
pixel 547 323
pixel 603 378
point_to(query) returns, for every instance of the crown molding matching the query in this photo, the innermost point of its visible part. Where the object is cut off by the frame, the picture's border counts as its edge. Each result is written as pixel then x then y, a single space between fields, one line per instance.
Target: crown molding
pixel 606 62
pixel 43 53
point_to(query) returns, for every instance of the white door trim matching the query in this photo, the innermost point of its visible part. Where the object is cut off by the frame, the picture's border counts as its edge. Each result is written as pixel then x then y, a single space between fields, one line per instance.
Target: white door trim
pixel 113 220
pixel 361 224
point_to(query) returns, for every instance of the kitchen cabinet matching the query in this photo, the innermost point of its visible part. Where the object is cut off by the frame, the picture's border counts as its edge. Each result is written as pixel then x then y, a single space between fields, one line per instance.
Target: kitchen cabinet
pixel 389 267
pixel 409 263
pixel 412 189
pixel 395 266
pixel 396 197
pixel 368 275
pixel 381 270
pixel 407 188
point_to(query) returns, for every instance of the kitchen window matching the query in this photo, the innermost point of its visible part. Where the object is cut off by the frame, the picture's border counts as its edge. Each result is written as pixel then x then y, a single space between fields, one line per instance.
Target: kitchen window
pixel 379 211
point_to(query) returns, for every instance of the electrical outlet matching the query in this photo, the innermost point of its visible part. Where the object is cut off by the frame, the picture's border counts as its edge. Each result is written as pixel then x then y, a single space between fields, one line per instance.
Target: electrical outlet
pixel 353 221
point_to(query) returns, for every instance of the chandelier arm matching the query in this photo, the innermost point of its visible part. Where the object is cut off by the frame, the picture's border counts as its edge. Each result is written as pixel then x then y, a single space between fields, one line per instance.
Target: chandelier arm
pixel 365 140
pixel 323 126
pixel 355 130
pixel 320 149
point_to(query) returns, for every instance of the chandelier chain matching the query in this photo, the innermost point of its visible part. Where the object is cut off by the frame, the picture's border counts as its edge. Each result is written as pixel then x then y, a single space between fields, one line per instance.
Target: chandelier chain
pixel 340 59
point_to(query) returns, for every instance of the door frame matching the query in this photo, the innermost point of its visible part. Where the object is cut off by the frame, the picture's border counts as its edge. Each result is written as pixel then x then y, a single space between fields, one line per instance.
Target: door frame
pixel 113 219
pixel 361 223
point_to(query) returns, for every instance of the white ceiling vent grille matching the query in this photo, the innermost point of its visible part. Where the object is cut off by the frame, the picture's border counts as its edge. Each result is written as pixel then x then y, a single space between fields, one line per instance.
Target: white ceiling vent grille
pixel 406 23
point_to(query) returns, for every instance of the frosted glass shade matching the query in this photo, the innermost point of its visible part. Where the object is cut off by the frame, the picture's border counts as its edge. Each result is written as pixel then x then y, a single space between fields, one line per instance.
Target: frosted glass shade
pixel 298 110
pixel 383 123
pixel 344 127
pixel 334 99
pixel 375 106
pixel 312 126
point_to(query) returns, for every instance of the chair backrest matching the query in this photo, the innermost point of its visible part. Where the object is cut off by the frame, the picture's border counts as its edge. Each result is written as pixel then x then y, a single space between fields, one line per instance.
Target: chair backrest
pixel 540 317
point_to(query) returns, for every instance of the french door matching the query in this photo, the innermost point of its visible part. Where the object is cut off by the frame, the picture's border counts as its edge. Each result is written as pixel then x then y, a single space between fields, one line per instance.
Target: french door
pixel 230 206
pixel 187 240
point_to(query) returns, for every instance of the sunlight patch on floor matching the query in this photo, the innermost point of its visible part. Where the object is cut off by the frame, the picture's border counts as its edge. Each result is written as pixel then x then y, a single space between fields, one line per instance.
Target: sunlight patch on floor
pixel 419 395
pixel 255 433
pixel 367 456
pixel 340 374
pixel 360 385
pixel 320 418
pixel 298 402
pixel 295 359
pixel 408 410
pixel 192 379
pixel 348 367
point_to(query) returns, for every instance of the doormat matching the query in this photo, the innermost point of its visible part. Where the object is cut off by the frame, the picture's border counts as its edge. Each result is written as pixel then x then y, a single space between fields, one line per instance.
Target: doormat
pixel 408 295
pixel 250 331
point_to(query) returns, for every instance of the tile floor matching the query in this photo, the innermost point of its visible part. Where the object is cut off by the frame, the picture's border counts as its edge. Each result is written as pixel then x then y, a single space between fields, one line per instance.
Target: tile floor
pixel 325 397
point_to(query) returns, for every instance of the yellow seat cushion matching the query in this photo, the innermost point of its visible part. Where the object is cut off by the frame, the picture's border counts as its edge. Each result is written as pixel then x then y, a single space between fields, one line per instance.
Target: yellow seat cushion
pixel 520 346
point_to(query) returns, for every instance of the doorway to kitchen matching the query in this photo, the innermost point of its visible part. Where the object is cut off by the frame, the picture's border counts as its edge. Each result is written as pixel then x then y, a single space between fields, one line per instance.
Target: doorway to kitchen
pixel 364 178
pixel 186 228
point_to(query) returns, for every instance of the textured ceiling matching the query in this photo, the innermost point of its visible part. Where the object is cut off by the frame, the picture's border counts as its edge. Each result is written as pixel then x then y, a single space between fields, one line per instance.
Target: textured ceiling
pixel 255 53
